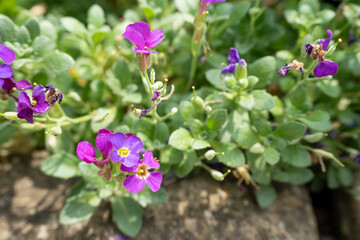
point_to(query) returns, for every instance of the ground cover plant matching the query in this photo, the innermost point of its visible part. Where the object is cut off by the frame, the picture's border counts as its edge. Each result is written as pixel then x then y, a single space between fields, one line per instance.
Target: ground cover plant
pixel 265 91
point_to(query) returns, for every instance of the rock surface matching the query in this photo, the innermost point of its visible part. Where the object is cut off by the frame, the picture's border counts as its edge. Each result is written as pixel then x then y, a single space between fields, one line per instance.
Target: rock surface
pixel 198 208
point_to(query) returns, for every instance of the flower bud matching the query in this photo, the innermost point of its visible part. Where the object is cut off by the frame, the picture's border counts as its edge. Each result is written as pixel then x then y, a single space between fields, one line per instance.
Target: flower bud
pixel 55 131
pixel 210 154
pixel 174 110
pixel 208 109
pixel 252 81
pixel 152 75
pixel 197 102
pixel 241 70
pixel 333 48
pixel 158 86
pixel 243 83
pixel 144 61
pixel 230 81
pixel 11 116
pixel 314 137
pixel 218 176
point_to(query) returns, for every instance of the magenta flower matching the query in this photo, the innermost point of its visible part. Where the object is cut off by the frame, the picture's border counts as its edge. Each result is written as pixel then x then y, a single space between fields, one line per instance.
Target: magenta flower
pixel 205 4
pixel 86 151
pixel 38 105
pixel 233 59
pixel 317 51
pixel 9 85
pixel 135 183
pixel 125 149
pixel 140 34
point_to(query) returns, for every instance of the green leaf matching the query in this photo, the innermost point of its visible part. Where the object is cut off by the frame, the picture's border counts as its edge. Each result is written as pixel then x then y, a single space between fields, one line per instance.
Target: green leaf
pixel 188 112
pixel 290 130
pixel 330 88
pixel 296 176
pixel 61 165
pixel 278 108
pixel 161 132
pixel 245 136
pixel 197 144
pixel 171 156
pixel 180 139
pixel 22 35
pixel 90 174
pixel 79 208
pixel 265 196
pixel 213 77
pixel 42 44
pixel 48 29
pixel 186 165
pixel 7 132
pixel 146 197
pixel 271 155
pixel 296 156
pixel 33 27
pixel 262 126
pixel 262 100
pixel 233 157
pixel 7 27
pixel 318 120
pixel 103 118
pixel 96 16
pixel 74 26
pixel 345 176
pixel 186 6
pixel 127 215
pixel 298 97
pixel 58 62
pixel 263 68
pixel 216 119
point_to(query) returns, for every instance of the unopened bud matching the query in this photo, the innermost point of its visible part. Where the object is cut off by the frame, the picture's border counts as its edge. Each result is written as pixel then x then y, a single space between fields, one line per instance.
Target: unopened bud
pixel 197 102
pixel 163 91
pixel 252 81
pixel 11 115
pixel 152 75
pixel 208 109
pixel 315 137
pixel 241 70
pixel 144 61
pixel 137 111
pixel 210 154
pixel 333 48
pixel 158 86
pixel 217 175
pixel 174 110
pixel 243 83
pixel 229 81
pixel 55 131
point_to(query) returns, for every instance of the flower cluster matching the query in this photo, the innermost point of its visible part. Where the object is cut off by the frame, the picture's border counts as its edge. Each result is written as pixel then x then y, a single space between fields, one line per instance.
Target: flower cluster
pixel 233 60
pixel 126 149
pixel 317 52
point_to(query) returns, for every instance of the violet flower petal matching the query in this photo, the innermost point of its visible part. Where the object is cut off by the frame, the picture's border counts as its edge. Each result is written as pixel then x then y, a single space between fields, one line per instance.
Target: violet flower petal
pixel 136 38
pixel 141 27
pixel 233 56
pixel 5 71
pixel 6 54
pixel 134 184
pixel 309 48
pixel 8 84
pixel 284 71
pixel 131 160
pixel 155 96
pixel 134 143
pixel 105 131
pixel 104 145
pixel 154 181
pixel 41 107
pixel 26 113
pixel 242 62
pixel 23 85
pixel 138 50
pixel 325 68
pixel 229 69
pixel 86 152
pixel 118 141
pixel 24 98
pixel 155 38
pixel 38 93
pixel 325 43
pixel 116 157
pixel 150 161
pixel 129 169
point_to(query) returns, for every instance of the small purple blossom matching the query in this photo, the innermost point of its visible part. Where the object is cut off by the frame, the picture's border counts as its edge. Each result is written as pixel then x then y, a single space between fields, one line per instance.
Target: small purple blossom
pixel 357 159
pixel 38 105
pixel 233 59
pixel 53 95
pixel 139 33
pixel 125 149
pixel 9 85
pixel 6 71
pixel 205 4
pixel 86 151
pixel 136 182
pixel 317 51
pixel 155 96
pixel 294 65
pixel 6 54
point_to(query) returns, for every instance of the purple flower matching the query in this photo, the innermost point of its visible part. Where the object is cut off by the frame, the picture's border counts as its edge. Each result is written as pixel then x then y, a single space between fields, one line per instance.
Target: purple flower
pixel 125 149
pixel 6 54
pixel 357 159
pixel 205 4
pixel 27 108
pixel 5 71
pixel 86 151
pixel 294 65
pixel 53 95
pixel 139 34
pixel 155 96
pixel 233 59
pixel 9 85
pixel 317 51
pixel 135 183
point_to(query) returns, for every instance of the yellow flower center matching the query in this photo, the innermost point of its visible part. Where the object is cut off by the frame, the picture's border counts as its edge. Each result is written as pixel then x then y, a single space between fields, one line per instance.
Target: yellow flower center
pixel 101 158
pixel 142 171
pixel 123 152
pixel 33 103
